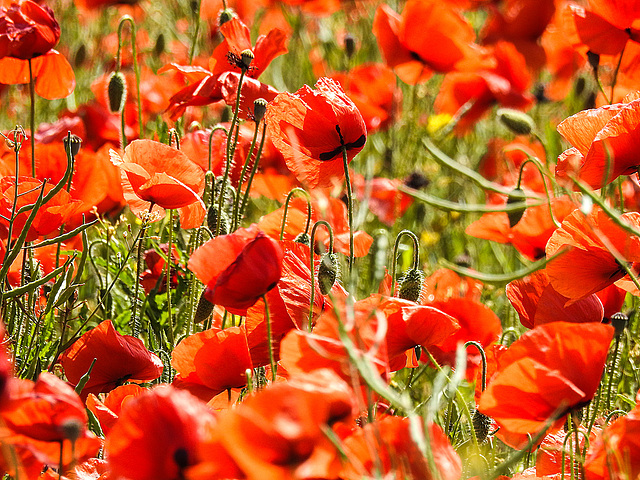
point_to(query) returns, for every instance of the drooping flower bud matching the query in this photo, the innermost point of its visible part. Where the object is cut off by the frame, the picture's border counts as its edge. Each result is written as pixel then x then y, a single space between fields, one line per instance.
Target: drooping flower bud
pixel 481 424
pixel 411 285
pixel 225 16
pixel 117 92
pixel 203 310
pixel 246 57
pixel 518 122
pixel 160 45
pixel 303 238
pixel 328 272
pixel 349 45
pixel 212 220
pixel 515 215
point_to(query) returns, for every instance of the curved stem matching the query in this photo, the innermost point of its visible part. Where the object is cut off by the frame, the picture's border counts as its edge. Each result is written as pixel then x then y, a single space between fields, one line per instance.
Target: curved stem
pixel 173 133
pixel 394 259
pixel 136 68
pixel 311 263
pixel 484 361
pixel 286 209
pixel 32 118
pixel 538 165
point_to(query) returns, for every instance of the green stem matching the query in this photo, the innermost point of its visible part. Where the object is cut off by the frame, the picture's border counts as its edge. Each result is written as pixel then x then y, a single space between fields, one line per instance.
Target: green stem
pixel 347 180
pixel 484 361
pixel 312 266
pixel 236 202
pixel 286 209
pixel 135 321
pixel 245 198
pixel 32 118
pixel 394 259
pixel 196 31
pixel 136 68
pixel 267 319
pixel 170 334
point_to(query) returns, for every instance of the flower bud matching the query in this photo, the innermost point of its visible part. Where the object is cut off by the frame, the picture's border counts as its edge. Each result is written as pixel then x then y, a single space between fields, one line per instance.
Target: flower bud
pixel 72 144
pixel 117 92
pixel 594 60
pixel 225 16
pixel 259 109
pixel 481 424
pixel 246 57
pixel 203 310
pixel 303 238
pixel 212 220
pixel 518 122
pixel 72 429
pixel 328 272
pixel 515 215
pixel 160 45
pixel 411 285
pixel 349 45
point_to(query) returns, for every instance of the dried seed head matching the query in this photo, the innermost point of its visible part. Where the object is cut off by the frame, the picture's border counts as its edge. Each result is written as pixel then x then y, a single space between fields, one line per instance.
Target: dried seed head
pixel 515 215
pixel 328 272
pixel 259 109
pixel 518 122
pixel 117 92
pixel 411 285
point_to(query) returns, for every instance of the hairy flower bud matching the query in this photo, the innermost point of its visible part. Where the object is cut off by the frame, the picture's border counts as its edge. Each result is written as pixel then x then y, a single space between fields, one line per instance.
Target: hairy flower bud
pixel 117 92
pixel 518 122
pixel 259 109
pixel 328 272
pixel 411 285
pixel 515 215
pixel 481 424
pixel 203 310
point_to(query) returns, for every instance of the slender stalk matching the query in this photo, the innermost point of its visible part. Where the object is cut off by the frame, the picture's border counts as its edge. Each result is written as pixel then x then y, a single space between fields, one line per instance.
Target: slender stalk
pixel 136 67
pixel 236 202
pixel 32 118
pixel 245 198
pixel 347 180
pixel 394 259
pixel 170 334
pixel 267 319
pixel 312 266
pixel 196 31
pixel 135 321
pixel 286 209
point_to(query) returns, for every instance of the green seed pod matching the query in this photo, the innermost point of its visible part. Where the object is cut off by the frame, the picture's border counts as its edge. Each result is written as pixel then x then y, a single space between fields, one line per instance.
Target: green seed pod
pixel 481 425
pixel 411 285
pixel 159 47
pixel 619 321
pixel 212 220
pixel 81 56
pixel 518 122
pixel 328 272
pixel 246 57
pixel 203 310
pixel 72 144
pixel 259 109
pixel 117 92
pixel 303 238
pixel 515 215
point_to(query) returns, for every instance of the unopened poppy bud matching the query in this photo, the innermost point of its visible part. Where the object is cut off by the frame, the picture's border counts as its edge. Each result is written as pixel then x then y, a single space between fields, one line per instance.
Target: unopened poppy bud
pixel 212 220
pixel 518 122
pixel 349 45
pixel 481 424
pixel 80 56
pixel 225 16
pixel 259 109
pixel 303 238
pixel 246 56
pixel 203 310
pixel 161 43
pixel 72 144
pixel 72 429
pixel 515 215
pixel 594 60
pixel 411 285
pixel 117 92
pixel 328 272
pixel 619 322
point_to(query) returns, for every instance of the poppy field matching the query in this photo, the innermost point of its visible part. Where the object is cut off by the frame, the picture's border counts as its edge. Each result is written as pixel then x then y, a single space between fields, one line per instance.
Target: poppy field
pixel 319 239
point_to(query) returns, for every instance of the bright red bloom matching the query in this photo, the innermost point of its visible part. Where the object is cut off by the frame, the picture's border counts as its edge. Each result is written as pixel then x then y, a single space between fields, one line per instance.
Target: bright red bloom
pixel 54 77
pixel 119 358
pixel 312 127
pixel 589 266
pixel 384 198
pixel 389 444
pixel 604 142
pixel 27 30
pixel 212 361
pixel 238 268
pixel 616 452
pixel 549 371
pixel 156 177
pixel 158 435
pixel 537 303
pixel 429 36
pixel 108 411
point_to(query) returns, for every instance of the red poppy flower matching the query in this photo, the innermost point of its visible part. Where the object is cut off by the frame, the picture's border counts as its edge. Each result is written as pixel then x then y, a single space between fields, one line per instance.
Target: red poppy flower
pixel 48 219
pixel 312 127
pixel 54 77
pixel 537 303
pixel 372 87
pixel 604 142
pixel 606 26
pixel 108 411
pixel 119 358
pixel 444 284
pixel 280 432
pixel 212 361
pixel 506 82
pixel 616 451
pixel 323 207
pixel 429 36
pixel 531 234
pixel 384 198
pixel 387 447
pixel 156 176
pixel 155 274
pixel 549 371
pixel 27 30
pixel 238 268
pixel 589 266
pixel 158 435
